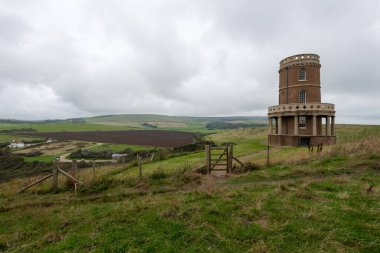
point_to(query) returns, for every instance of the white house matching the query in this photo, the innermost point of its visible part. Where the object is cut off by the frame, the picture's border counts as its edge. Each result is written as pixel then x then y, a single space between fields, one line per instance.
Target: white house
pixel 117 156
pixel 16 144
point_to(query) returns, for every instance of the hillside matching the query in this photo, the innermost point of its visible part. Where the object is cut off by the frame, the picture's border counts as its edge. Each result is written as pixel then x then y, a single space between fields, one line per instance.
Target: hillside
pixel 132 122
pixel 170 119
pixel 177 122
pixel 302 202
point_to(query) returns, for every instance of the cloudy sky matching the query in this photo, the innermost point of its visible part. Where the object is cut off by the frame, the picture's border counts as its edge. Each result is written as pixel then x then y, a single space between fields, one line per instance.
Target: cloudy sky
pixel 73 58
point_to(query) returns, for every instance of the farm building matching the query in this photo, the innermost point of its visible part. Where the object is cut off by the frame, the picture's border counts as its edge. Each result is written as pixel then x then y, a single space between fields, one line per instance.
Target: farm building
pixel 118 156
pixel 16 144
pixel 300 119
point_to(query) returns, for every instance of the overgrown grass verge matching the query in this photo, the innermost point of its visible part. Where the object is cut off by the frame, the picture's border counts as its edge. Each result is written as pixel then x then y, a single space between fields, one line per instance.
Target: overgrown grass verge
pixel 308 203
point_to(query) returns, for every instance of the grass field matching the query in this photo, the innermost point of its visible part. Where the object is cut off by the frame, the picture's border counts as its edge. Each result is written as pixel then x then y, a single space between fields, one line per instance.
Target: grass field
pixel 4 138
pixel 117 148
pixel 300 203
pixel 41 158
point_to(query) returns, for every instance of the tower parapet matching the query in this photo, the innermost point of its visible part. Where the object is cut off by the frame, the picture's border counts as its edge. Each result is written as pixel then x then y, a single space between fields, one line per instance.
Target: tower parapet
pixel 300 60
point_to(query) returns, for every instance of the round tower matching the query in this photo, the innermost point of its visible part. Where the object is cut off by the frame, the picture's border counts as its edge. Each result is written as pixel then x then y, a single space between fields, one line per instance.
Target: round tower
pixel 301 118
pixel 300 73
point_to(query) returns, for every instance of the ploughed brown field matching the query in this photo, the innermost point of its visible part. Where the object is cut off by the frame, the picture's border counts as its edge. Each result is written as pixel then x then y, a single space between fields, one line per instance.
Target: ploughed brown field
pixel 154 138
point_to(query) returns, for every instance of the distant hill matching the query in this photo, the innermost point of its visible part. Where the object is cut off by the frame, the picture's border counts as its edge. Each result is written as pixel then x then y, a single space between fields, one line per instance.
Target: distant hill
pixel 173 119
pixel 177 122
pixel 16 121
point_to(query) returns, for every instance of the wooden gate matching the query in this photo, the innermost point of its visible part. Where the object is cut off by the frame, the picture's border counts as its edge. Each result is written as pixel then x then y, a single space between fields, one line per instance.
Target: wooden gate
pixel 219 158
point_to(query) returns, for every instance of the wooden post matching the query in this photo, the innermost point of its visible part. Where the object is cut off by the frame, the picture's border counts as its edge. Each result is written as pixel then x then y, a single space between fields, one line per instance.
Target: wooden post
pixel 240 162
pixel 73 172
pixel 74 168
pixel 55 176
pixel 93 168
pixel 207 153
pixel 123 161
pixel 69 176
pixel 34 183
pixel 230 155
pixel 139 163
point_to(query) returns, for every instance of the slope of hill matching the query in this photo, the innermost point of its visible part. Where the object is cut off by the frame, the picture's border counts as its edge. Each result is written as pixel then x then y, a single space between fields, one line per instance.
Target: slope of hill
pixel 321 202
pixel 132 121
pixel 166 118
pixel 177 122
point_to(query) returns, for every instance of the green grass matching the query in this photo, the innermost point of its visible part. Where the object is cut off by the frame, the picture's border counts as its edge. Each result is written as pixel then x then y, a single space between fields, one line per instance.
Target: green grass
pixel 288 214
pixel 245 140
pixel 350 133
pixel 9 137
pixel 117 148
pixel 191 124
pixel 41 158
pixel 318 204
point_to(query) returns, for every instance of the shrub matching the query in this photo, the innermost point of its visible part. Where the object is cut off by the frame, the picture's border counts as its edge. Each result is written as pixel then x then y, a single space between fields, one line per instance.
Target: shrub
pixel 84 153
pixel 98 186
pixel 158 174
pixel 185 175
pixel 32 153
pixel 249 166
pixel 201 170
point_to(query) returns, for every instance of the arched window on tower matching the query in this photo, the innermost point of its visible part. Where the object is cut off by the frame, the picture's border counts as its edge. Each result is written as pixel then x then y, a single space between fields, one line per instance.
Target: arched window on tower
pixel 302 74
pixel 302 96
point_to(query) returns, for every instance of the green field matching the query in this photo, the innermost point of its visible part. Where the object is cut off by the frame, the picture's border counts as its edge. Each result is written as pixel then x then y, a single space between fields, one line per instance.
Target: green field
pixel 40 158
pixel 117 148
pixel 9 137
pixel 300 203
pixel 178 123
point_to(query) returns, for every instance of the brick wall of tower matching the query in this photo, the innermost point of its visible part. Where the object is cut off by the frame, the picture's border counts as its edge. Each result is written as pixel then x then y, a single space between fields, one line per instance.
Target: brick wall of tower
pixel 289 78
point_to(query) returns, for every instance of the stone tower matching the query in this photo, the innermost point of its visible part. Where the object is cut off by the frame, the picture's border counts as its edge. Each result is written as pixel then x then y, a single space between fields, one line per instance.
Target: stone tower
pixel 300 118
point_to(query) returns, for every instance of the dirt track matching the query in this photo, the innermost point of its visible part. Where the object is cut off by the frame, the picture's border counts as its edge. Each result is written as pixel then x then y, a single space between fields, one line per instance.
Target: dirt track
pixel 154 138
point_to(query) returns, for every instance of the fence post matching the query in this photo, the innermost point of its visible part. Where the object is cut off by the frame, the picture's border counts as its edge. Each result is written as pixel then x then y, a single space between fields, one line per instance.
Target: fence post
pixel 230 155
pixel 139 163
pixel 74 168
pixel 207 152
pixel 55 176
pixel 123 160
pixel 73 172
pixel 93 168
pixel 268 162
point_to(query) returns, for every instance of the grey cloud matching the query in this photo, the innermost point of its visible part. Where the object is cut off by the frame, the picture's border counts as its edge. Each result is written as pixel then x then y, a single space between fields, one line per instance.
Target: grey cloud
pixel 181 57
